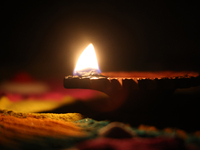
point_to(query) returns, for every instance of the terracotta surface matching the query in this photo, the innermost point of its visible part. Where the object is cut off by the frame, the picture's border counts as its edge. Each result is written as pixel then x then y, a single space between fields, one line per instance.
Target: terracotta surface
pixel 161 74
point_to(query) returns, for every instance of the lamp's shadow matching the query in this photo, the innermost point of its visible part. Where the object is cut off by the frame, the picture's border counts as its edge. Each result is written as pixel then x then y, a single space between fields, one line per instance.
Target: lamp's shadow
pixel 161 108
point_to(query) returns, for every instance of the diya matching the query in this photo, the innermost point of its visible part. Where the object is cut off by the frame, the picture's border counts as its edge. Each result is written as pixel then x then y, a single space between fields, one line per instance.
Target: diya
pixel 127 93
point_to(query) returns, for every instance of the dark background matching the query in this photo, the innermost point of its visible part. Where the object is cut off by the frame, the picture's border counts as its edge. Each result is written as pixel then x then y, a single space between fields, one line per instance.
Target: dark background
pixel 45 38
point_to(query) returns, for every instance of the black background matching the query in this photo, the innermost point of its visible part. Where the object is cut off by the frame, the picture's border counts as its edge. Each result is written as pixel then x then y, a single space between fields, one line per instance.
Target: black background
pixel 45 38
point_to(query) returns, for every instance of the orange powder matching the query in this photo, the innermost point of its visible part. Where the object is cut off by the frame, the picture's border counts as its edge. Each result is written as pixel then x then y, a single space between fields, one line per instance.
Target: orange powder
pixel 13 129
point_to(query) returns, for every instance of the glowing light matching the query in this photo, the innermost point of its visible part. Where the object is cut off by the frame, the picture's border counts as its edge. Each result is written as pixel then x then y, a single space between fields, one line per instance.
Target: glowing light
pixel 87 62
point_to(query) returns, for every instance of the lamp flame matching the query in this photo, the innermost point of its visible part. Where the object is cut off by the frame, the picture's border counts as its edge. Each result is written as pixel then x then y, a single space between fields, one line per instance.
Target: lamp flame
pixel 87 63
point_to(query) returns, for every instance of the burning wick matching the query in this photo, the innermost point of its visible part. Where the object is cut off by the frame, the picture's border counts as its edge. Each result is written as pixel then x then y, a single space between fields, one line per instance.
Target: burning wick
pixel 87 65
pixel 86 69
